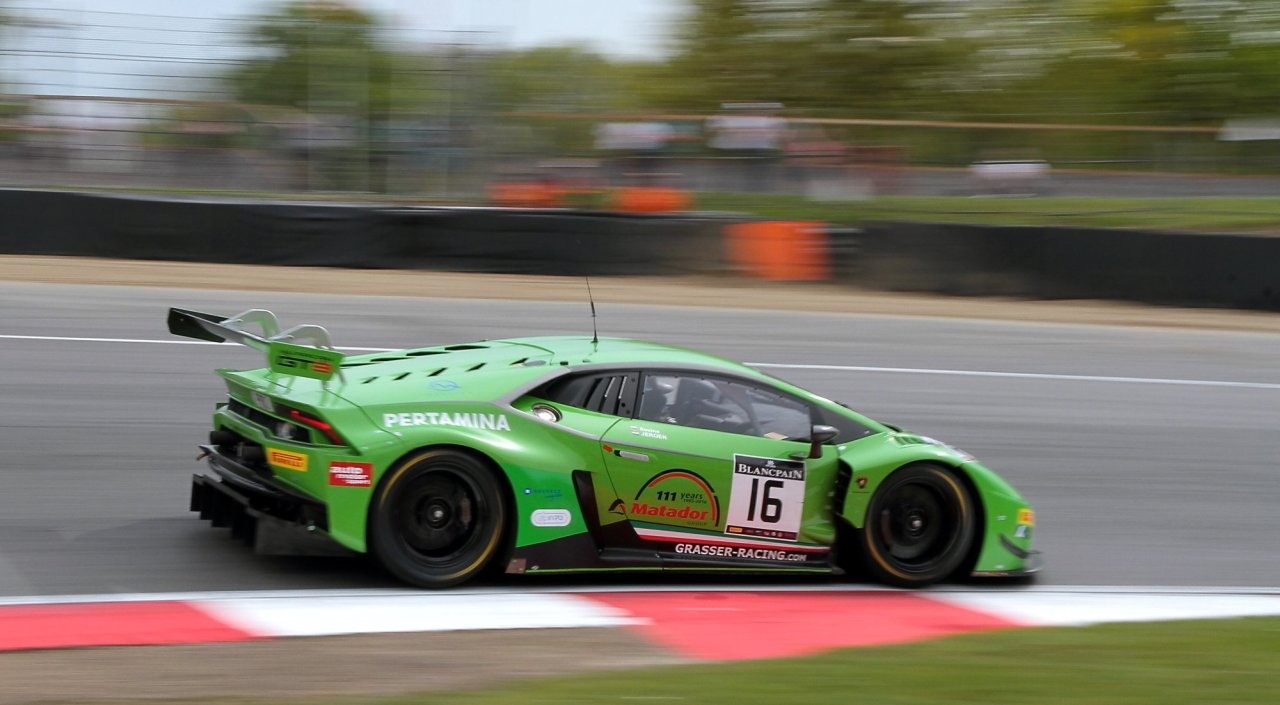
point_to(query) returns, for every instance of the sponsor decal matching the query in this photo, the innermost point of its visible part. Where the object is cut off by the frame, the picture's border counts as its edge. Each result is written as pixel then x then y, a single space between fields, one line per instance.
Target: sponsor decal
pixel 345 473
pixel 287 460
pixel 550 517
pixel 679 497
pixel 653 433
pixel 544 493
pixel 443 385
pixel 689 513
pixel 766 498
pixel 491 422
pixel 747 552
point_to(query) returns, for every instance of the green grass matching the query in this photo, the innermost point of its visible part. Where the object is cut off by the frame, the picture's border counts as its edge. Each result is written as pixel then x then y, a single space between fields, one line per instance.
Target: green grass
pixel 1194 214
pixel 1208 214
pixel 1171 663
pixel 1207 662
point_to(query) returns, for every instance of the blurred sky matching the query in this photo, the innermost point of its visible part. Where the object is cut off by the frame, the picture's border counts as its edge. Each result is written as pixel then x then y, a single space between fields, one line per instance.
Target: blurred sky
pixel 622 28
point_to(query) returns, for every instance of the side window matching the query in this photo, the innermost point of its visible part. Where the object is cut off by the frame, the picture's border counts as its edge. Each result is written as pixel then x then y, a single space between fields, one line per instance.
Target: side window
pixel 779 416
pixel 658 398
pixel 716 404
pixel 611 393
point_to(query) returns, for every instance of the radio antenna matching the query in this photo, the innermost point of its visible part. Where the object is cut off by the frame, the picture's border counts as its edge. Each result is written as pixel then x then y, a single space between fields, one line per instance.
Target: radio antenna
pixel 595 336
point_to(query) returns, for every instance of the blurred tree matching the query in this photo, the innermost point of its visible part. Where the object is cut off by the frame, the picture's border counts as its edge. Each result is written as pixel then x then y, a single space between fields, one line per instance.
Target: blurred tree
pixel 875 57
pixel 562 79
pixel 12 107
pixel 559 79
pixel 886 57
pixel 722 53
pixel 1172 62
pixel 325 58
pixel 317 56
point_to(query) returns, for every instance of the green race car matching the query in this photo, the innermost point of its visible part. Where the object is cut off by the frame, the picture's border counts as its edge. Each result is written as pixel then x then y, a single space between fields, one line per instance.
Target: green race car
pixel 556 454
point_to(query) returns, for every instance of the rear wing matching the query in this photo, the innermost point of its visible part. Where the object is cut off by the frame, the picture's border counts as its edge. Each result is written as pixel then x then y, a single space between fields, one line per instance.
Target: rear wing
pixel 284 349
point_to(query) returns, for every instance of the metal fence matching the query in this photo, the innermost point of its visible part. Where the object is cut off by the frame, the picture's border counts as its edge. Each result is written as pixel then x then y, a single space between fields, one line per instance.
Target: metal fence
pixel 95 98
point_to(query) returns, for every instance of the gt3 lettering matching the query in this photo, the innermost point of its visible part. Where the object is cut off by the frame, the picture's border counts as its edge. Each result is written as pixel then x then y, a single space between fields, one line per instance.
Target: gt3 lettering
pixel 317 366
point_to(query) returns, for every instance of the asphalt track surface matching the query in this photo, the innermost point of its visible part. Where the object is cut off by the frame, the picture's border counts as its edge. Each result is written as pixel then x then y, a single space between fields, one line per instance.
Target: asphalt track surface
pixel 1150 455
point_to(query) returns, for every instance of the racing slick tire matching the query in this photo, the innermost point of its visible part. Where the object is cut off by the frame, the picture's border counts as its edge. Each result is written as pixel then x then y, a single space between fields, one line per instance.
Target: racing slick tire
pixel 438 518
pixel 920 526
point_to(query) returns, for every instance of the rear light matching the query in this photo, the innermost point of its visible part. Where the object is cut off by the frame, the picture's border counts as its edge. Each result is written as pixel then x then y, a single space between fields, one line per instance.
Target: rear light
pixel 322 426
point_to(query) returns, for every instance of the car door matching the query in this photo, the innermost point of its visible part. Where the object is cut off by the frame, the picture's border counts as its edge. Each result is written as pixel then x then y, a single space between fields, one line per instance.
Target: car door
pixel 714 469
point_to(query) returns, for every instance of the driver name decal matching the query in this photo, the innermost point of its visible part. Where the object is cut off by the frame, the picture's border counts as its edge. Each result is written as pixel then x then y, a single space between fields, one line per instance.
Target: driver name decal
pixel 766 498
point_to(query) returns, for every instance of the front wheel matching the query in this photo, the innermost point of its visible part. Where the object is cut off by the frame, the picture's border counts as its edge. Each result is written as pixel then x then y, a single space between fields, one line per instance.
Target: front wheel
pixel 920 526
pixel 438 518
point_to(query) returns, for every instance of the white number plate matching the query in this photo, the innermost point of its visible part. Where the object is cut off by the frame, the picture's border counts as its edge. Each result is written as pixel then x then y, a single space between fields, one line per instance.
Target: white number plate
pixel 766 498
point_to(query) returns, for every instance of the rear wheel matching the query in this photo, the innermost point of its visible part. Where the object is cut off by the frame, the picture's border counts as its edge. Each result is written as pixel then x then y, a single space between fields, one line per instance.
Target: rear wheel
pixel 438 518
pixel 920 526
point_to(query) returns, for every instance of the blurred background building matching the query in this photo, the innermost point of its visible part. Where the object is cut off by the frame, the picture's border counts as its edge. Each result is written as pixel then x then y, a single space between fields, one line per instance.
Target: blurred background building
pixel 833 99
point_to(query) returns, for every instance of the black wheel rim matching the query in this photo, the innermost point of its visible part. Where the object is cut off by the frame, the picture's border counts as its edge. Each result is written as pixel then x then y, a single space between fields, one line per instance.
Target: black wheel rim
pixel 918 525
pixel 438 516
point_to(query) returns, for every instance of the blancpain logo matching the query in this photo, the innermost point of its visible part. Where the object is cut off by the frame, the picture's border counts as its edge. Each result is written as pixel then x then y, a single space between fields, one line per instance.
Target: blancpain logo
pixel 493 422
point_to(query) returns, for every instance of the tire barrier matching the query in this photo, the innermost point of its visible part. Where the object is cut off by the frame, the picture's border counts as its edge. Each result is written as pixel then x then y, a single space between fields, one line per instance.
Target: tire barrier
pixel 780 250
pixel 346 235
pixel 625 199
pixel 650 199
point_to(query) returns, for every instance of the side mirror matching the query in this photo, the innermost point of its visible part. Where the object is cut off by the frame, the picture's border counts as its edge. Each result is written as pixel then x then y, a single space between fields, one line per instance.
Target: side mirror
pixel 818 435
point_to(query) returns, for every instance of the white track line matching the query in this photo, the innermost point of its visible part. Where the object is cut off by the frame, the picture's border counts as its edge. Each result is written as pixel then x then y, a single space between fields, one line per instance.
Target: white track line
pixel 1022 375
pixel 321 612
pixel 1078 609
pixel 442 611
pixel 942 591
pixel 147 341
pixel 777 365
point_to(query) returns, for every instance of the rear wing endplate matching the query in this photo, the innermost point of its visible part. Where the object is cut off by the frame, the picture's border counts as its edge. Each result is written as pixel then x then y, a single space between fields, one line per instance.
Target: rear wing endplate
pixel 285 350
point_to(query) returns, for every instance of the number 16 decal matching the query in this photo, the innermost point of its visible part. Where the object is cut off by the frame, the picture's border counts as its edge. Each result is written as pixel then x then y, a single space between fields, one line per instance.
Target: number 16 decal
pixel 767 498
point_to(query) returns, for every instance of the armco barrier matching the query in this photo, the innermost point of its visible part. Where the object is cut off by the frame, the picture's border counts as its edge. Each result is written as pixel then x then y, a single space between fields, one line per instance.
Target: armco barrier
pixel 553 242
pixel 1183 269
pixel 1188 269
pixel 346 235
